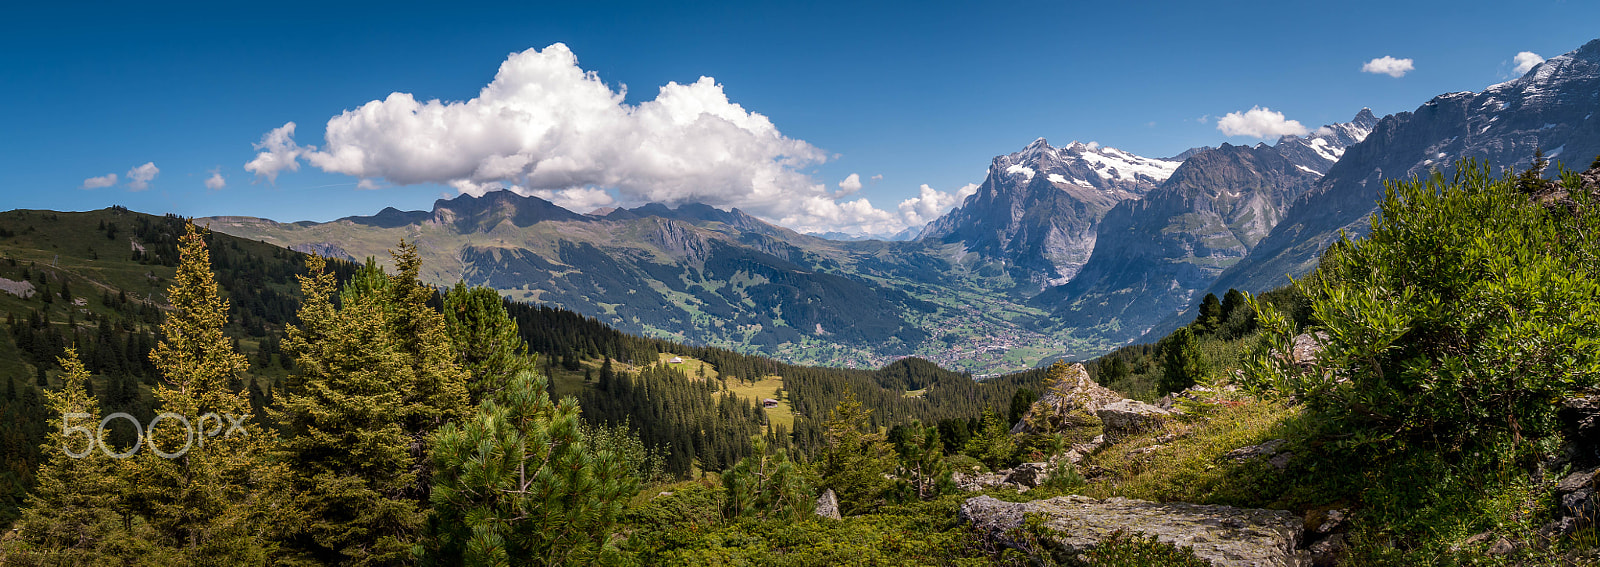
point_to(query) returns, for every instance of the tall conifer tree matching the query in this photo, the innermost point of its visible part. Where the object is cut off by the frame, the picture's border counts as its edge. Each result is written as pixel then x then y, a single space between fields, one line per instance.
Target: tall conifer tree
pixel 203 504
pixel 340 414
pixel 72 512
pixel 855 458
pixel 438 391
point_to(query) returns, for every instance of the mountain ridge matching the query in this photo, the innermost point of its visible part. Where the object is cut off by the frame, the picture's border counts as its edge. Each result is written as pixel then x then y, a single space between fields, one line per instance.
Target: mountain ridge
pixel 1551 107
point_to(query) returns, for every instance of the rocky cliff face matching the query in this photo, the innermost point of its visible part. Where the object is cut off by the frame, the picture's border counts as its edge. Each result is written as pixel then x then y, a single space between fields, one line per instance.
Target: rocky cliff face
pixel 469 214
pixel 1039 208
pixel 1320 150
pixel 1552 108
pixel 1152 255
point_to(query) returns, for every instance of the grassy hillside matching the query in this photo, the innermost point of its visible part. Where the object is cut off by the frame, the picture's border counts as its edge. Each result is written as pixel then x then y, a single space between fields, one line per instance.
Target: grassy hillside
pixel 749 287
pixel 115 266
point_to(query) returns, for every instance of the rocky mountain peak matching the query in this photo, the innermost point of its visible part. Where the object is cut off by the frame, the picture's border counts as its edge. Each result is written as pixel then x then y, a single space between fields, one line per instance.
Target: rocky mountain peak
pixel 481 214
pixel 700 214
pixel 1550 108
pixel 1038 207
pixel 1317 152
pixel 1081 164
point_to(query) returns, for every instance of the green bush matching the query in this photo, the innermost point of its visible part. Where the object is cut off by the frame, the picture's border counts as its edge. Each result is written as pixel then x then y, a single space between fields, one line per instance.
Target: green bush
pixel 1463 318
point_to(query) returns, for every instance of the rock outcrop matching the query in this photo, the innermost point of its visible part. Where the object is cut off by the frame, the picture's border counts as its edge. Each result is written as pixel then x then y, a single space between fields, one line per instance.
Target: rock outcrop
pixel 1223 535
pixel 828 505
pixel 1074 398
pixel 22 289
pixel 974 482
pixel 1030 475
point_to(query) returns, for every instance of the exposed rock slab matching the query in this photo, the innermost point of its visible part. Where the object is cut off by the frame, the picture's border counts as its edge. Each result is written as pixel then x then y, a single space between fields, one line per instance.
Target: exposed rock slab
pixel 828 505
pixel 22 289
pixel 1074 396
pixel 1222 535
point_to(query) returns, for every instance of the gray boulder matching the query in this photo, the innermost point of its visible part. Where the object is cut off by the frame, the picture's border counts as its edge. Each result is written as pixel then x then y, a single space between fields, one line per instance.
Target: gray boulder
pixel 974 482
pixel 1030 475
pixel 1128 416
pixel 1223 535
pixel 1306 347
pixel 828 505
pixel 1074 398
pixel 1270 450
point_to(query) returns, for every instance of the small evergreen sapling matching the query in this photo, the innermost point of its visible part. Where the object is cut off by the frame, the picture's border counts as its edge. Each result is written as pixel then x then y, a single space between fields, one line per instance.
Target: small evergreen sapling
pixel 514 485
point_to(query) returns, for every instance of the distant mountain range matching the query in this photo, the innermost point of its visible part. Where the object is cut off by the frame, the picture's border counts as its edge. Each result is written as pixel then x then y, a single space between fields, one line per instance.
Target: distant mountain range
pixel 700 274
pixel 910 233
pixel 1154 253
pixel 1552 107
pixel 1061 252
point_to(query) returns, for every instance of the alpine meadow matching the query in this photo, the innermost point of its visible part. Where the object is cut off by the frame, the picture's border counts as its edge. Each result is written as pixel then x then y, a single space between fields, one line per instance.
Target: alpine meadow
pixel 365 298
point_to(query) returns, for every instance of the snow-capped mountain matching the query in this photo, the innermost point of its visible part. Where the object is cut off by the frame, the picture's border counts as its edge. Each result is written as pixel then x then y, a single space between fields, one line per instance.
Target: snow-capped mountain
pixel 1153 254
pixel 1552 107
pixel 1038 208
pixel 1319 151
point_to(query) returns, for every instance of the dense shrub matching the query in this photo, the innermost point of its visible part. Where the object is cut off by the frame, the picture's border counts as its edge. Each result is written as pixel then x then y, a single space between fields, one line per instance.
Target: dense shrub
pixel 1464 317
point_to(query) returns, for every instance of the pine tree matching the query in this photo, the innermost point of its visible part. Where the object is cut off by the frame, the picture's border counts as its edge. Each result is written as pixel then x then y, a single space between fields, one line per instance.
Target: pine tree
pixel 340 413
pixel 513 485
pixel 1210 314
pixel 204 504
pixel 992 442
pixel 1532 180
pixel 766 484
pixel 1182 364
pixel 71 513
pixel 1020 402
pixel 490 347
pixel 438 389
pixel 855 457
pixel 1237 317
pixel 922 464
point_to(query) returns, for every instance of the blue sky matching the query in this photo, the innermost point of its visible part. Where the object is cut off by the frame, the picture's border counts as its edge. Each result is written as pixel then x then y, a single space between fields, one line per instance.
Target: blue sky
pixel 921 93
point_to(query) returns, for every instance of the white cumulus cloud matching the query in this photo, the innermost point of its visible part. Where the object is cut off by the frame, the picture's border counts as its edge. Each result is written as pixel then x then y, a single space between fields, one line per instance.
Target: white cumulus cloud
pixel 139 178
pixel 850 184
pixel 1259 122
pixel 930 203
pixel 1526 61
pixel 278 153
pixel 106 180
pixel 216 181
pixel 580 199
pixel 545 126
pixel 1390 66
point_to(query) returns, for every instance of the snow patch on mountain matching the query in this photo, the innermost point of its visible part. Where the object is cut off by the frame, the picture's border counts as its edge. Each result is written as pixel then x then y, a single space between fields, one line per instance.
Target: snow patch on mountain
pixel 1114 164
pixel 1021 169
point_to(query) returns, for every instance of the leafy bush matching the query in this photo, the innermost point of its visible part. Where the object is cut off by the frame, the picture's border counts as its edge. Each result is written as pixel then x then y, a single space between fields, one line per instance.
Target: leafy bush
pixel 1464 317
